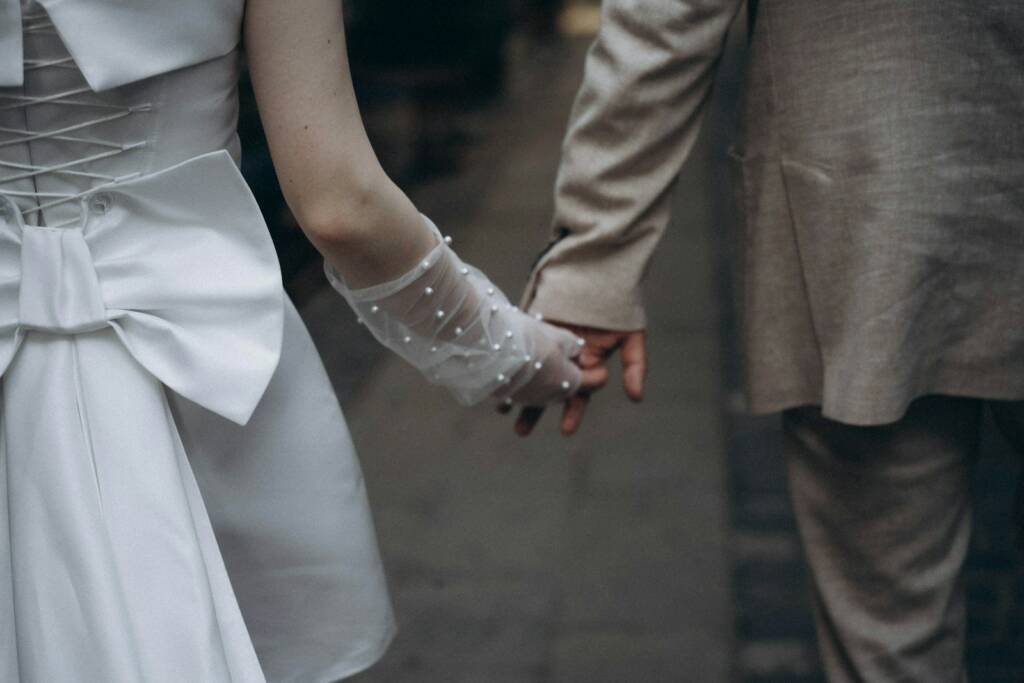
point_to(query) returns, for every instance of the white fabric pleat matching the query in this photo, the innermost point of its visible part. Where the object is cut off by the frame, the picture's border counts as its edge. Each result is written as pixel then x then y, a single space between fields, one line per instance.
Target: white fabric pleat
pixel 288 503
pixel 8 638
pixel 107 528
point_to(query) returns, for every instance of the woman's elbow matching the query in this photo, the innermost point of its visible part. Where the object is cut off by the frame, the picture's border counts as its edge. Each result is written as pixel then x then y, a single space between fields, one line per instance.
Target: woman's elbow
pixel 340 216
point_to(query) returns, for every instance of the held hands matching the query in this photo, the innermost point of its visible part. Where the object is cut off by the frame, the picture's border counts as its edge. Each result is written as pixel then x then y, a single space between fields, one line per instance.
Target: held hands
pixel 447 319
pixel 599 346
pixel 550 375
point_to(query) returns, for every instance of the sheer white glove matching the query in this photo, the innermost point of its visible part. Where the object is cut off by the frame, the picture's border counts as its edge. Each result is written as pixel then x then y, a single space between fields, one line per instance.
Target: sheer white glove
pixel 448 320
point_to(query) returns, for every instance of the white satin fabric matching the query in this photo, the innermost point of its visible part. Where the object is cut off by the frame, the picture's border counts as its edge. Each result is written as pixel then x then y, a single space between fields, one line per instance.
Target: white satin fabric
pixel 179 495
pixel 115 42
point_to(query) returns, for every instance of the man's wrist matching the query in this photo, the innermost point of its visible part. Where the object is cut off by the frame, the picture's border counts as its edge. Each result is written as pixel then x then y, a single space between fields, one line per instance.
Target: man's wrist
pixel 584 304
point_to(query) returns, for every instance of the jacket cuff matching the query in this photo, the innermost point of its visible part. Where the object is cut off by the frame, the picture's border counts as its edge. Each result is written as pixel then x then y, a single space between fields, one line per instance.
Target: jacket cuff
pixel 581 294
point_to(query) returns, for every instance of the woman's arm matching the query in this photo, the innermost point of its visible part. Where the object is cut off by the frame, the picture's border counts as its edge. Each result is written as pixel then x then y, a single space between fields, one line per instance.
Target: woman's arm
pixel 348 207
pixel 409 287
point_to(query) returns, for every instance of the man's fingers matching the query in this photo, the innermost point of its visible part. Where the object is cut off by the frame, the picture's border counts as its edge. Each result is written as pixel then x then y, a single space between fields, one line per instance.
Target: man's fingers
pixel 528 419
pixel 634 364
pixel 589 358
pixel 572 414
pixel 592 360
pixel 592 379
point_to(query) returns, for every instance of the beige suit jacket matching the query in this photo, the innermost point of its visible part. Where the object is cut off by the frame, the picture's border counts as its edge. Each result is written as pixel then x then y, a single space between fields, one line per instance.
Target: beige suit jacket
pixel 647 80
pixel 880 175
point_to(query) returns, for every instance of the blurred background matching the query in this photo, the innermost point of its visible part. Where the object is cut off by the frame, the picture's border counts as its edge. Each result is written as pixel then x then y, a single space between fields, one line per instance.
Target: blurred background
pixel 658 544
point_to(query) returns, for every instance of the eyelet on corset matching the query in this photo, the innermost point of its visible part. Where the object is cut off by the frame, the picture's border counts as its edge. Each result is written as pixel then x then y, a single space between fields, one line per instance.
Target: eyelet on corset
pixel 100 203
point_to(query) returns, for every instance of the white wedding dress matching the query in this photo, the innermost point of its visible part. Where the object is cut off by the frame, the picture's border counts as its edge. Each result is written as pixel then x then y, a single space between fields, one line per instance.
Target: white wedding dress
pixel 179 497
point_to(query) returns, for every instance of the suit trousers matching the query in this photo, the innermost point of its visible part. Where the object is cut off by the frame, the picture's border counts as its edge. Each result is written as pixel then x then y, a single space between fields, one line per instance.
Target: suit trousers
pixel 884 513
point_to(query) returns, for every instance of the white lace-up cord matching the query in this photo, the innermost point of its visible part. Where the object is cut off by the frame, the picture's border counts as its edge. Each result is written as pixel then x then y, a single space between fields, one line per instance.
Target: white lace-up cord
pixel 79 99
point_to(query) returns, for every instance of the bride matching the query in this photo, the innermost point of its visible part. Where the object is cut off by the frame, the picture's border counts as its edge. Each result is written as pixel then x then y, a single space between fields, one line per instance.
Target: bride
pixel 179 496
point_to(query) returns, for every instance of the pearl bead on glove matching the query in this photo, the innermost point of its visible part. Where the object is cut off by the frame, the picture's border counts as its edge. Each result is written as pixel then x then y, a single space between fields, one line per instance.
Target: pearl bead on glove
pixel 448 320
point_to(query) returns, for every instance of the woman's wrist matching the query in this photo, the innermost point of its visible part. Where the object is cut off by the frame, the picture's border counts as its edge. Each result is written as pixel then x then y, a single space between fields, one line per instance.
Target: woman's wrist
pixel 447 319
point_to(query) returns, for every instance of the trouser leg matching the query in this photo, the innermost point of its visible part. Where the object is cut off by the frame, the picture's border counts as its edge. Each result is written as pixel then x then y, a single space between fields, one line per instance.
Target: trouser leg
pixel 1009 415
pixel 884 514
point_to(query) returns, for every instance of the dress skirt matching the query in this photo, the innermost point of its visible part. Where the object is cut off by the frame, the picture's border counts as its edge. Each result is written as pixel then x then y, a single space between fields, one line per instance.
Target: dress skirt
pixel 180 498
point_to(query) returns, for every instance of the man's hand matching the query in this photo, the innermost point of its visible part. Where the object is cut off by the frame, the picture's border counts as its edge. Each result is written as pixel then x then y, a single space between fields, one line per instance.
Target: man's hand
pixel 599 346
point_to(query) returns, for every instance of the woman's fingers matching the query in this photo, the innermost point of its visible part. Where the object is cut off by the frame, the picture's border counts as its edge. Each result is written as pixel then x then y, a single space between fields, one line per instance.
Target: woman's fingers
pixel 574 408
pixel 592 379
pixel 528 419
pixel 572 414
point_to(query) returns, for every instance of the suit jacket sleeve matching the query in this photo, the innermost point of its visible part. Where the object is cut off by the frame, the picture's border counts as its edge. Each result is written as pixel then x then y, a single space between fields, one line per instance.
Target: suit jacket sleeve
pixel 646 83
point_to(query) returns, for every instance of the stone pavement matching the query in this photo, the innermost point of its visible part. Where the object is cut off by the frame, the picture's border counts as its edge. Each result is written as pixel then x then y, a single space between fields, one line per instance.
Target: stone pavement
pixel 592 559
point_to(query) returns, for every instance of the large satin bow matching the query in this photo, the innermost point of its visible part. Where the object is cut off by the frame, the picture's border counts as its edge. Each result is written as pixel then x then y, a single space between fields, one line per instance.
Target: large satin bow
pixel 178 263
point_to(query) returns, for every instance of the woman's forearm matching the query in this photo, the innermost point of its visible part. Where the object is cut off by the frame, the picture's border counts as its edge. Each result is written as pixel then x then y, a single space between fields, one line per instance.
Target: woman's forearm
pixel 353 213
pixel 370 232
pixel 411 290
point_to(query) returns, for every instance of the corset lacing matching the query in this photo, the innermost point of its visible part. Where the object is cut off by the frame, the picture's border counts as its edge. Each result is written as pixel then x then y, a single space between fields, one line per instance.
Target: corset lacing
pixel 86 108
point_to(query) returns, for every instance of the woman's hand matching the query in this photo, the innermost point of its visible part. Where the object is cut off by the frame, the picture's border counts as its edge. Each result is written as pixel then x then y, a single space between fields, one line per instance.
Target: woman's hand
pixel 599 345
pixel 447 319
pixel 550 376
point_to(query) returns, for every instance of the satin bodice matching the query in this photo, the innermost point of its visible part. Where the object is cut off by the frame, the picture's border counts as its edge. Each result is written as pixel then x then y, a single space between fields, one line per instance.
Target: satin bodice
pixel 60 140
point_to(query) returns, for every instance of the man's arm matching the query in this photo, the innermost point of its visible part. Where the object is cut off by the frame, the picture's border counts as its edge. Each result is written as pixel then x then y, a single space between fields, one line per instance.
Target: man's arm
pixel 636 117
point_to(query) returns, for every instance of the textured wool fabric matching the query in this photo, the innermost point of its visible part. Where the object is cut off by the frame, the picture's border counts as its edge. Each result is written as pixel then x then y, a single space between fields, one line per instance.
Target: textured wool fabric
pixel 879 173
pixel 885 518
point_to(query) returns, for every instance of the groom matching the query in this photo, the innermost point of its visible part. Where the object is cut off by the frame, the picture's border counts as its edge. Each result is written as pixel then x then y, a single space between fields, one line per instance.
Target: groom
pixel 881 177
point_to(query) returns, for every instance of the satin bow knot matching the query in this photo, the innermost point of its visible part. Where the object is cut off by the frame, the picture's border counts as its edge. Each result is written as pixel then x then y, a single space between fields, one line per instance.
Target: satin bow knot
pixel 181 267
pixel 59 291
